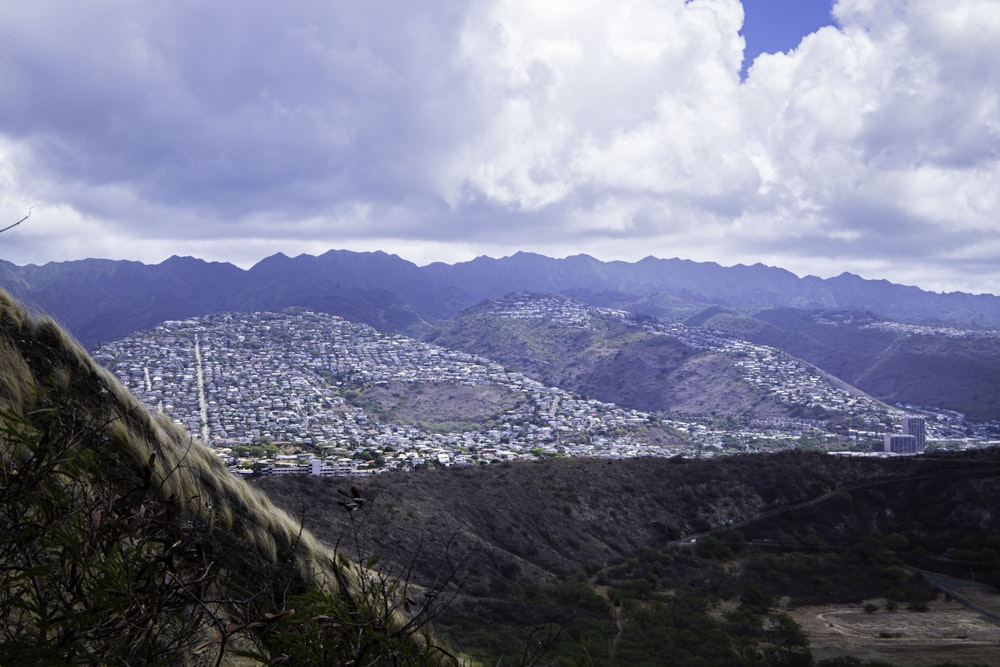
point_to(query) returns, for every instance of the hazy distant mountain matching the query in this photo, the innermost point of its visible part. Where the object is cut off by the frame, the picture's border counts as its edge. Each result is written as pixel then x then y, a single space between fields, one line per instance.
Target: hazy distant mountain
pixel 740 286
pixel 100 300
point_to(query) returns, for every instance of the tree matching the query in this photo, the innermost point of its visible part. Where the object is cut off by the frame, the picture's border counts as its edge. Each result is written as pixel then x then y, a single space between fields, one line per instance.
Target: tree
pixel 787 643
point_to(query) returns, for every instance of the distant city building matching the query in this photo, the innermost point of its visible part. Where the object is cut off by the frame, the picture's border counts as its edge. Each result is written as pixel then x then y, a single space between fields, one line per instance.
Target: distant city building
pixel 898 443
pixel 916 427
pixel 911 440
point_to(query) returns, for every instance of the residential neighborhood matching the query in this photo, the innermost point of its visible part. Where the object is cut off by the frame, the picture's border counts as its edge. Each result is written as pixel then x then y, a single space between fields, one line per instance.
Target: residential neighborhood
pixel 240 379
pixel 275 387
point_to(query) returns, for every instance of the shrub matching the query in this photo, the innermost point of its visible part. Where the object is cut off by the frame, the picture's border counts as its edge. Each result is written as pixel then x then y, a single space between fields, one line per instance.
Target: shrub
pixel 100 568
pixel 897 542
pixel 93 571
pixel 712 548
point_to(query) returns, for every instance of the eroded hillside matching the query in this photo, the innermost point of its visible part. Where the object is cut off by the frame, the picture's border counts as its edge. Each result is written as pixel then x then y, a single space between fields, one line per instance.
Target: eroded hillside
pixel 930 365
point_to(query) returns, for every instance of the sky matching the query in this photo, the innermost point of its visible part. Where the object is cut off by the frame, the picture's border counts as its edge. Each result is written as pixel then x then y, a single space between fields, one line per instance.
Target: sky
pixel 818 136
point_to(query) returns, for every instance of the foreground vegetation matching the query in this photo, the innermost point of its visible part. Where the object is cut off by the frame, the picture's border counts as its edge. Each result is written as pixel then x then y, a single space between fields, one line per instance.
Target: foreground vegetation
pixel 714 604
pixel 123 541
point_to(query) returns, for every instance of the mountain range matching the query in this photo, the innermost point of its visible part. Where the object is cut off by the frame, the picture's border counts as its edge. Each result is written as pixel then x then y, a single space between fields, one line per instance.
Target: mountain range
pixel 840 325
pixel 101 300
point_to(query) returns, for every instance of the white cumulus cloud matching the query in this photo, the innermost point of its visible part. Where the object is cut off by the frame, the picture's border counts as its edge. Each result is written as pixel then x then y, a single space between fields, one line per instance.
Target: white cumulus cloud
pixel 451 128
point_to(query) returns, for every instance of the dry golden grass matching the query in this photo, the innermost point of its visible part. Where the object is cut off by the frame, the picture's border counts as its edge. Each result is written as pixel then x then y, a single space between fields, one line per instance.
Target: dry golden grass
pixel 38 356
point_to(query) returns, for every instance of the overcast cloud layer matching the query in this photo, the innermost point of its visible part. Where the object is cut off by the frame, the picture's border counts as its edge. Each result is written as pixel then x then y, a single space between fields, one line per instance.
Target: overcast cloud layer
pixel 442 130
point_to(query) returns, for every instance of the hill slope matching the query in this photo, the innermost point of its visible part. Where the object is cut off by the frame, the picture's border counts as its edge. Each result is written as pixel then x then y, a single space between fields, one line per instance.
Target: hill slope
pixel 925 366
pixel 601 356
pixel 635 362
pixel 125 540
pixel 552 517
pixel 555 542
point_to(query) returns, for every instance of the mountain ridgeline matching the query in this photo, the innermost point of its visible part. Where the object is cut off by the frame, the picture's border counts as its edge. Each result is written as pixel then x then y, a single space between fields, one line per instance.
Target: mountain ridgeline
pixel 834 324
pixel 101 300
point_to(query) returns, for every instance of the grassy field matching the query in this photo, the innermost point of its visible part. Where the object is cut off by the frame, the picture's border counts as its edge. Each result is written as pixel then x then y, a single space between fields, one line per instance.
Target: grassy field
pixel 947 632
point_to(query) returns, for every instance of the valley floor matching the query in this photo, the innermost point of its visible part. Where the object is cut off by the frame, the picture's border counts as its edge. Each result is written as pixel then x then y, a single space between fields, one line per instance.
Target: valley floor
pixel 948 631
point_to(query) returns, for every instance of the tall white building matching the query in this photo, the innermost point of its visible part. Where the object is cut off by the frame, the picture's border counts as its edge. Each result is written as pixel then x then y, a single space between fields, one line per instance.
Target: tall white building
pixel 916 427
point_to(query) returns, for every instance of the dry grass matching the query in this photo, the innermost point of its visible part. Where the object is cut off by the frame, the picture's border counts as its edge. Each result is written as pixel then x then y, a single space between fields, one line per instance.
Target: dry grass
pixel 40 362
pixel 947 632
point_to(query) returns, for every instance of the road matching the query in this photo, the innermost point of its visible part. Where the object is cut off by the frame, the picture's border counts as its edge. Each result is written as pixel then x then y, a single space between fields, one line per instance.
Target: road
pixel 957 589
pixel 202 404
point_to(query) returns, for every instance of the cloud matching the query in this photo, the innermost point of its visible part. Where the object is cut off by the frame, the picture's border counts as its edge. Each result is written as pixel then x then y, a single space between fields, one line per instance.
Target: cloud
pixel 453 128
pixel 226 109
pixel 592 95
pixel 889 113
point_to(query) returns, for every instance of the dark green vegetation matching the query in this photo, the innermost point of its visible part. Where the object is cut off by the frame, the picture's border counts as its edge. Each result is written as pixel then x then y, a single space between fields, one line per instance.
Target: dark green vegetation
pixel 593 561
pixel 123 541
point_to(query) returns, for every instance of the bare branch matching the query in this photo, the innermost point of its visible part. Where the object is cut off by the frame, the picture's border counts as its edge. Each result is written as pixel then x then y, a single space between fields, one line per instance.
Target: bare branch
pixel 16 223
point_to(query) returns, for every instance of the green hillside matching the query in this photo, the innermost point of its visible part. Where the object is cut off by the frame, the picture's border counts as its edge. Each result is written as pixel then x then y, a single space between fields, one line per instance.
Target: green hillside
pixel 608 359
pixel 703 562
pixel 639 361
